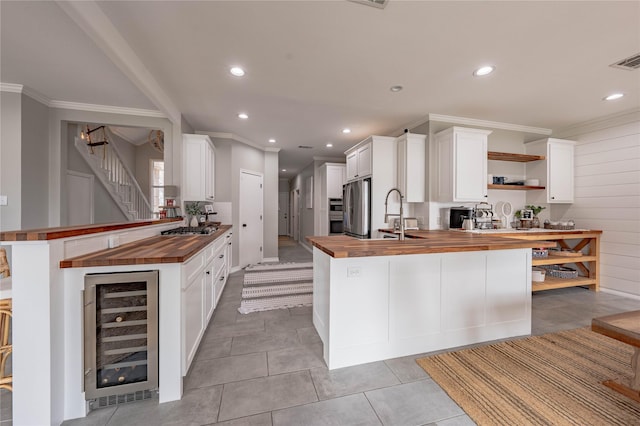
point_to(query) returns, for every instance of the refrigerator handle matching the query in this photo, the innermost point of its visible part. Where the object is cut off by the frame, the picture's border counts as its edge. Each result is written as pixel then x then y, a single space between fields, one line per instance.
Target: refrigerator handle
pixel 366 207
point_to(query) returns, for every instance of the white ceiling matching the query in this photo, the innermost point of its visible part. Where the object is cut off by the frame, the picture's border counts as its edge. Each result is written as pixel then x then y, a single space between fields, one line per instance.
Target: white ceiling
pixel 315 67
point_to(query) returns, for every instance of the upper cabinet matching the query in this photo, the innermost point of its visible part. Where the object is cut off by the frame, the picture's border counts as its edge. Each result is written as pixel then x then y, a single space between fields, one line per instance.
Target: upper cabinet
pixel 359 161
pixel 462 164
pixel 411 167
pixel 556 173
pixel 335 180
pixel 198 155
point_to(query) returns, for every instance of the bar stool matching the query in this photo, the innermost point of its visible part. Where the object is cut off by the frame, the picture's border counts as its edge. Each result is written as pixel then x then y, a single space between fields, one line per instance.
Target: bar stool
pixel 6 380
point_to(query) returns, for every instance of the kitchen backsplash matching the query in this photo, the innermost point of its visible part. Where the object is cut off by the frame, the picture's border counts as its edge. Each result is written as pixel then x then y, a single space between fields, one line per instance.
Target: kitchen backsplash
pixel 223 212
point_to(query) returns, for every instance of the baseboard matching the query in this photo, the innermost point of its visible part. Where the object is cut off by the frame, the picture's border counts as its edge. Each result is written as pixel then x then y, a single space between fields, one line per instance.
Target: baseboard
pixel 235 269
pixel 619 293
pixel 270 259
pixel 309 248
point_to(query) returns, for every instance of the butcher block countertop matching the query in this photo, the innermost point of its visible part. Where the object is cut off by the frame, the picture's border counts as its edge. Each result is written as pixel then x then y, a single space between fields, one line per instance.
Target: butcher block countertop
pixel 423 242
pixel 74 231
pixel 157 249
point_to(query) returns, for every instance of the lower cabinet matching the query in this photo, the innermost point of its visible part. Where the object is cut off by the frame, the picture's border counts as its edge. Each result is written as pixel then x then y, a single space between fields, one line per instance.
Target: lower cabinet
pixel 203 279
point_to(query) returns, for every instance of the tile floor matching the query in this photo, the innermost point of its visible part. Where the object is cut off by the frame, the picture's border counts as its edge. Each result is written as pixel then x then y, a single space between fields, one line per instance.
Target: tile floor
pixel 266 368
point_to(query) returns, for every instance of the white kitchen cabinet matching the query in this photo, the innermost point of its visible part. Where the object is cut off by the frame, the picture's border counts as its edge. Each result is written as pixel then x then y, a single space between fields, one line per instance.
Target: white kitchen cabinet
pixel 462 164
pixel 359 161
pixel 411 167
pixel 198 168
pixel 329 179
pixel 203 279
pixel 555 174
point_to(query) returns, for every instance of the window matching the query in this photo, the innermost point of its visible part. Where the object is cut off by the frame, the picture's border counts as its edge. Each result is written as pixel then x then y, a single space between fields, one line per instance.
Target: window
pixel 157 186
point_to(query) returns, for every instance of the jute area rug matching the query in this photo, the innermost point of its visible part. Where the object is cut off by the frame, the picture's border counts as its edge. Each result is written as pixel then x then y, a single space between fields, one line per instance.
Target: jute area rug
pixel 553 379
pixel 276 286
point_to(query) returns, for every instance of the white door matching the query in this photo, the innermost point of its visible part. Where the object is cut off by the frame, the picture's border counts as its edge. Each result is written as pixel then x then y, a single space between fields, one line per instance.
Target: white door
pixel 283 213
pixel 295 198
pixel 79 198
pixel 251 212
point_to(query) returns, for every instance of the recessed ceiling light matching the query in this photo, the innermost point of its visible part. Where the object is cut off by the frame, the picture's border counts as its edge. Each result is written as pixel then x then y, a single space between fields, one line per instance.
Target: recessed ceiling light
pixel 396 88
pixel 329 145
pixel 272 140
pixel 237 71
pixel 614 96
pixel 484 71
pixel 346 131
pixel 284 170
pixel 243 116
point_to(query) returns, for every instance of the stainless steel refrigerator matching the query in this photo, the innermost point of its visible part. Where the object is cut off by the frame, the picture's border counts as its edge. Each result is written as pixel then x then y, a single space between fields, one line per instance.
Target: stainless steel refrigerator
pixel 356 198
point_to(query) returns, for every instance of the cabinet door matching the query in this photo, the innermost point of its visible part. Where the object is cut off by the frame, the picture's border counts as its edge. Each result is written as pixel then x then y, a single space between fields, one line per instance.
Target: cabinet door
pixel 335 180
pixel 209 291
pixel 411 167
pixel 210 167
pixel 470 167
pixel 352 165
pixel 364 161
pixel 194 157
pixel 560 173
pixel 193 308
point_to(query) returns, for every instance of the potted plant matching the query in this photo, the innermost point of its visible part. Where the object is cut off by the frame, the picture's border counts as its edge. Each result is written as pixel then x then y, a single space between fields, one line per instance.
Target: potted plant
pixel 536 211
pixel 193 209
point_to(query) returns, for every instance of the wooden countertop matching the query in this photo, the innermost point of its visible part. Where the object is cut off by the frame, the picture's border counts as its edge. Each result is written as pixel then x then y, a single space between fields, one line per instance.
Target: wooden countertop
pixel 44 234
pixel 157 249
pixel 422 242
pixel 525 235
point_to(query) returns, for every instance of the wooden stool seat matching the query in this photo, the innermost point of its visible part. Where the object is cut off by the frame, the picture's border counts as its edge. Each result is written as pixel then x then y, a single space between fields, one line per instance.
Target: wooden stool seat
pixel 6 380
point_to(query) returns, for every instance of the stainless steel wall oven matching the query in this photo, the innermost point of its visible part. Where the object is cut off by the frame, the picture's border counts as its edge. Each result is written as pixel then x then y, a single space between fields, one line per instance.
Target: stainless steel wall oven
pixel 335 216
pixel 120 334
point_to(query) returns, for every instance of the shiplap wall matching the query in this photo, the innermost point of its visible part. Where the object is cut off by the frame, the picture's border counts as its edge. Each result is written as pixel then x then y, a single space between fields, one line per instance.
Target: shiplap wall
pixel 607 197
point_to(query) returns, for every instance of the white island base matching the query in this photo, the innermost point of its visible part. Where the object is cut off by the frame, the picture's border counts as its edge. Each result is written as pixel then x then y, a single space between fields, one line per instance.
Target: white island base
pixel 374 308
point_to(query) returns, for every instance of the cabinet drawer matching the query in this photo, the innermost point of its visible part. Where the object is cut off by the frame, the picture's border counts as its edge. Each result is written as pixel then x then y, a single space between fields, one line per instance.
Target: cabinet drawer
pixel 219 261
pixel 192 268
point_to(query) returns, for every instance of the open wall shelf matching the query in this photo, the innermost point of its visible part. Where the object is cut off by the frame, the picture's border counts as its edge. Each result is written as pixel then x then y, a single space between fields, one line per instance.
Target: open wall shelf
pixel 519 158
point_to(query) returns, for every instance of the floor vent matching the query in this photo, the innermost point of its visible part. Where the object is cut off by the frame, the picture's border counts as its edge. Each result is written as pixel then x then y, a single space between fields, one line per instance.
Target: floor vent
pixel 631 63
pixel 111 400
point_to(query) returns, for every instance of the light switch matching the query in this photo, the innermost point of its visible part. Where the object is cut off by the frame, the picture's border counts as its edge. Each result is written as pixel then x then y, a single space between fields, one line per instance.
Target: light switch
pixel 3 200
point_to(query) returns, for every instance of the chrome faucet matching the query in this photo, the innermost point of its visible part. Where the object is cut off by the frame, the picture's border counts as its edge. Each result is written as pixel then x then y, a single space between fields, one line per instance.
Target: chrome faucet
pixel 386 215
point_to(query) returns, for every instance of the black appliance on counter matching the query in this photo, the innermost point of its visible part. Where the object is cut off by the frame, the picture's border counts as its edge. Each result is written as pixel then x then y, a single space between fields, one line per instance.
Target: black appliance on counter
pixel 458 214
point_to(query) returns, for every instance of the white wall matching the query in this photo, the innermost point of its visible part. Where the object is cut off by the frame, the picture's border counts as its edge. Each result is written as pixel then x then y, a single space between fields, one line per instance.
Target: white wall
pixel 607 197
pixel 10 159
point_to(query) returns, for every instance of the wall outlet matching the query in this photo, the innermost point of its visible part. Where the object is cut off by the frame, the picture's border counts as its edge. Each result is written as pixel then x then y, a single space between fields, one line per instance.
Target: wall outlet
pixel 113 241
pixel 4 200
pixel 354 271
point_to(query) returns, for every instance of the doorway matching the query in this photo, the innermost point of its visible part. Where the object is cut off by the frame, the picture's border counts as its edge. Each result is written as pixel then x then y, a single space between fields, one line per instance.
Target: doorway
pixel 79 198
pixel 251 213
pixel 283 213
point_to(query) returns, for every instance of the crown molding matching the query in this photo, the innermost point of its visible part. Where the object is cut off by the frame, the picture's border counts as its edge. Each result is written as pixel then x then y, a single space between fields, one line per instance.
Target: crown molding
pixel 490 124
pixel 107 109
pixel 270 149
pixel 600 123
pixel 11 88
pixel 20 88
pixel 232 136
pixel 329 159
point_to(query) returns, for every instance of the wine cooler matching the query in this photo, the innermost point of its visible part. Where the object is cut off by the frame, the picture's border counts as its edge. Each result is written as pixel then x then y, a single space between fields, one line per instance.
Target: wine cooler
pixel 121 335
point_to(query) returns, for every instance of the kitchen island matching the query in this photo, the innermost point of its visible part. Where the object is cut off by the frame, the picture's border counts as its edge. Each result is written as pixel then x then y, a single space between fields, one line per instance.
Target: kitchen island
pixel 48 269
pixel 381 299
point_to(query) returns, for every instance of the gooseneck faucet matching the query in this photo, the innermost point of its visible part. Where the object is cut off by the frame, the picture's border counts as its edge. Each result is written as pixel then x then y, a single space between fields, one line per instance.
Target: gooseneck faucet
pixel 386 215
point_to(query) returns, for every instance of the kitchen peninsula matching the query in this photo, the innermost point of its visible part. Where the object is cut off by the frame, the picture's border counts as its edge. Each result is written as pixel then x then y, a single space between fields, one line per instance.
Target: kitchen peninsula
pixel 381 299
pixel 48 271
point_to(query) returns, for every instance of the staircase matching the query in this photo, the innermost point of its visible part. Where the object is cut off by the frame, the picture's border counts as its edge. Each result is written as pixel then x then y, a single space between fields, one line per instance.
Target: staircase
pixel 107 165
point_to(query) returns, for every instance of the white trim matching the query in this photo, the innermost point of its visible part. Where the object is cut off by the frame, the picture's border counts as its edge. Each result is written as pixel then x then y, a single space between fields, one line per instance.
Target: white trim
pixel 107 109
pixel 271 149
pixel 340 160
pixel 619 293
pixel 600 123
pixel 232 136
pixel 11 88
pixel 270 259
pixel 490 124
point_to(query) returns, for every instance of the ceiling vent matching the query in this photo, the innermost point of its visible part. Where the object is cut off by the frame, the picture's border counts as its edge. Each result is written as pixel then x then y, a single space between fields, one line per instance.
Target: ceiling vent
pixel 380 4
pixel 630 64
pixel 305 147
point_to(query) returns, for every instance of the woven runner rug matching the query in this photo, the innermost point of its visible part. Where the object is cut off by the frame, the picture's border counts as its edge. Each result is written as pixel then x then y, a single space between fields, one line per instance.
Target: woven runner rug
pixel 553 379
pixel 276 286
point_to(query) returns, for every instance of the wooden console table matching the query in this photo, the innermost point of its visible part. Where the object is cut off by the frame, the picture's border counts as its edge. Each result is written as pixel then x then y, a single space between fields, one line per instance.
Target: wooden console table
pixel 624 327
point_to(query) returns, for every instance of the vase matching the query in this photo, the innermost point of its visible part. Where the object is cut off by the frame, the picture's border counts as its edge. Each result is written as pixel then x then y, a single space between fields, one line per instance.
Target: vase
pixel 194 221
pixel 535 222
